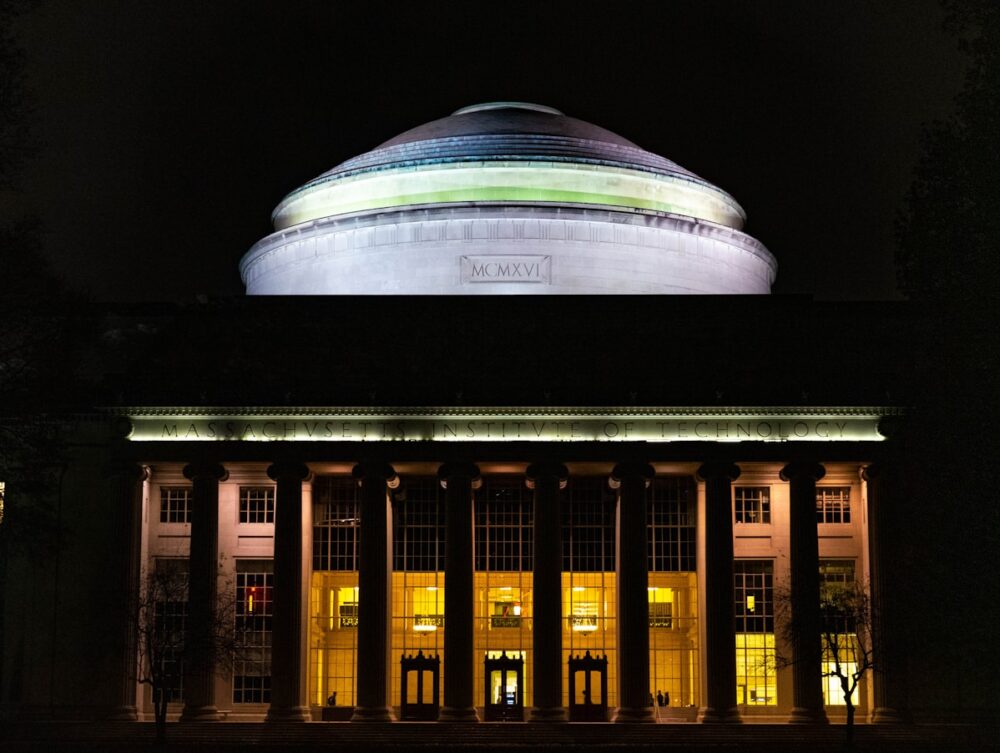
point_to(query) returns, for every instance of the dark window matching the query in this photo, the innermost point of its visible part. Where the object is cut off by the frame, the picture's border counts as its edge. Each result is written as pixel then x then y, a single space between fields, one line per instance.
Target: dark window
pixel 335 523
pixel 671 518
pixel 256 504
pixel 834 576
pixel 418 526
pixel 252 670
pixel 503 525
pixel 588 525
pixel 833 504
pixel 752 504
pixel 175 504
pixel 167 588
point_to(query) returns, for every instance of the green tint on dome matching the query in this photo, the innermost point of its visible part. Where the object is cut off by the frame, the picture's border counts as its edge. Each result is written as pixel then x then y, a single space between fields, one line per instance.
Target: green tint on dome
pixel 507 152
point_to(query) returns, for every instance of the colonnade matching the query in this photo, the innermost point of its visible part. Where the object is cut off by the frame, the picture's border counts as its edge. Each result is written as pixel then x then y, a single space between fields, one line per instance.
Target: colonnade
pixel 630 479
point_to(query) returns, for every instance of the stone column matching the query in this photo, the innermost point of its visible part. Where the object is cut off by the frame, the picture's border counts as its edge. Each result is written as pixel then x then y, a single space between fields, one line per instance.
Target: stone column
pixel 807 681
pixel 720 635
pixel 288 654
pixel 889 677
pixel 458 480
pixel 547 479
pixel 374 592
pixel 203 593
pixel 632 586
pixel 125 521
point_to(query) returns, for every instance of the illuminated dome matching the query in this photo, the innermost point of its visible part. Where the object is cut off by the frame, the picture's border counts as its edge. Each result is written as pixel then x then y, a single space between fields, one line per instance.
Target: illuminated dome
pixel 508 197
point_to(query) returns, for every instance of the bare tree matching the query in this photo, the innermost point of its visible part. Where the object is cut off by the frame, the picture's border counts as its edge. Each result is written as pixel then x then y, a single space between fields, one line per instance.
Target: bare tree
pixel 846 636
pixel 163 644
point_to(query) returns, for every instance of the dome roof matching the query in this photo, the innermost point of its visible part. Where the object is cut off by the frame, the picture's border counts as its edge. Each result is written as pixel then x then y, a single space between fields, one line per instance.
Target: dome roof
pixel 508 152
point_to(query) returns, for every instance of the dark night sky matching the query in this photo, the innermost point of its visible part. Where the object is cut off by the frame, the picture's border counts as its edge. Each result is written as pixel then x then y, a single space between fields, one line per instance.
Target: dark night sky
pixel 169 130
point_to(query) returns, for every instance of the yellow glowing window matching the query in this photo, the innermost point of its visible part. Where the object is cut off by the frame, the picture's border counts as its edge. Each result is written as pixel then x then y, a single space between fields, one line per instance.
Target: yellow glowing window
pixel 751 603
pixel 428 609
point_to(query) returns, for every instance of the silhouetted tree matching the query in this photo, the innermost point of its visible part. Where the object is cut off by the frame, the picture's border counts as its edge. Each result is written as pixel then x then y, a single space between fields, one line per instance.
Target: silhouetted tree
pixel 163 645
pixel 846 637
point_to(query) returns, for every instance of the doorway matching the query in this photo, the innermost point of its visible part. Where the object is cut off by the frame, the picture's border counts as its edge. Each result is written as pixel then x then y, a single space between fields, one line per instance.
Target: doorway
pixel 504 700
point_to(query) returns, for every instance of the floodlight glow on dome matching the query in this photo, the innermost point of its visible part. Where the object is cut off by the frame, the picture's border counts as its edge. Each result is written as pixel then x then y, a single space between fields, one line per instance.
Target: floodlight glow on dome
pixel 509 182
pixel 540 202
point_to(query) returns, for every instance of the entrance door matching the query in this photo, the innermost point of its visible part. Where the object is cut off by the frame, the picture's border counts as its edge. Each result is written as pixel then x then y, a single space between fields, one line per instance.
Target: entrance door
pixel 419 699
pixel 504 701
pixel 588 688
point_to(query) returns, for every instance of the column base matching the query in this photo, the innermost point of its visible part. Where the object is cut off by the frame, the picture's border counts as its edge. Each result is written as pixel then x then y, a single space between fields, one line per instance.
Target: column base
pixel 709 715
pixel 122 714
pixel 554 714
pixel 372 714
pixel 629 715
pixel 455 714
pixel 288 714
pixel 200 714
pixel 801 715
pixel 889 715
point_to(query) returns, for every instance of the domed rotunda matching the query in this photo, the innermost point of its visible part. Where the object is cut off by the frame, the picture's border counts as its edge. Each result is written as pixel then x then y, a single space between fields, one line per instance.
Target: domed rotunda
pixel 507 198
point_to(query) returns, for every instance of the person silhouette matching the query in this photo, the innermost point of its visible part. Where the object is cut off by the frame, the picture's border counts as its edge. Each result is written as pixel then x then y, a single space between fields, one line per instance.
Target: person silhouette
pixel 659 698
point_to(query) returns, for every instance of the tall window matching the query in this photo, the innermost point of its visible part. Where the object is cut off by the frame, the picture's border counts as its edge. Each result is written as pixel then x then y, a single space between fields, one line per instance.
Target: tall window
pixel 256 504
pixel 168 589
pixel 754 602
pixel 336 517
pixel 175 504
pixel 673 631
pixel 252 673
pixel 588 526
pixel 752 504
pixel 504 532
pixel 333 591
pixel 671 525
pixel 588 516
pixel 836 575
pixel 504 541
pixel 418 526
pixel 833 504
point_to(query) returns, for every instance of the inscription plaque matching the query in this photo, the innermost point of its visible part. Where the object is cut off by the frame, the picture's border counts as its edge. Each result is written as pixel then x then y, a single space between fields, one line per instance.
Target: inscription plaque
pixel 507 268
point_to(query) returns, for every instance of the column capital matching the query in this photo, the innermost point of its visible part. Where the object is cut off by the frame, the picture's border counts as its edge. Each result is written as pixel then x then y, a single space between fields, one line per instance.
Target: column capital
pixel 537 471
pixel 460 469
pixel 631 469
pixel 288 469
pixel 872 471
pixel 803 469
pixel 890 426
pixel 718 469
pixel 193 471
pixel 374 470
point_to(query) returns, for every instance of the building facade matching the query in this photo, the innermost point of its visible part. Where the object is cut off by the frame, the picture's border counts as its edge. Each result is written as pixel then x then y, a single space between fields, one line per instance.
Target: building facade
pixel 478 536
pixel 562 561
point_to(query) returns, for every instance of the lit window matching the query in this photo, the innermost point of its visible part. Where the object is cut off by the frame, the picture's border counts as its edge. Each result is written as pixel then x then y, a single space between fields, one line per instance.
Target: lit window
pixel 175 504
pixel 839 637
pixel 756 683
pixel 506 607
pixel 752 504
pixel 833 504
pixel 256 504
